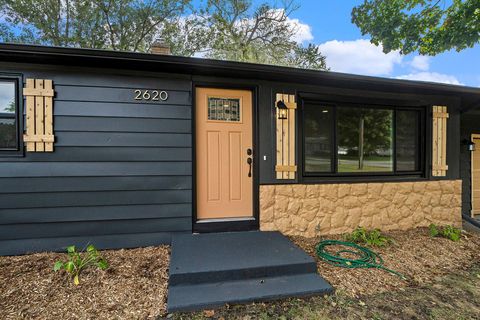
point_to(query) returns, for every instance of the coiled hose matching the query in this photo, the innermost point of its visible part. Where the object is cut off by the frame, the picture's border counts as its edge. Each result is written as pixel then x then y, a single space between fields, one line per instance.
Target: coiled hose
pixel 364 257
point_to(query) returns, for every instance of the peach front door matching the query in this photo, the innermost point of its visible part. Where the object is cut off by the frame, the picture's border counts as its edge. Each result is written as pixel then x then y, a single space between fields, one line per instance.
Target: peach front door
pixel 224 168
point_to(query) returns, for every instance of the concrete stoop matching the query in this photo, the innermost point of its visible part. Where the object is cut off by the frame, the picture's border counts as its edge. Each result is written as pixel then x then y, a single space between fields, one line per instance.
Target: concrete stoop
pixel 210 270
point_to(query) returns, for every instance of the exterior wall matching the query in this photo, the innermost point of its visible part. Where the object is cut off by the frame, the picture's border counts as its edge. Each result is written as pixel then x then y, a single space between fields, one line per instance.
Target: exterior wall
pixel 321 209
pixel 121 171
pixel 470 123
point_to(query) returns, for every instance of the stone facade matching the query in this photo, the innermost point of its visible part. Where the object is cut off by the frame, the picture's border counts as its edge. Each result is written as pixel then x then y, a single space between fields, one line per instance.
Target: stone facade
pixel 321 209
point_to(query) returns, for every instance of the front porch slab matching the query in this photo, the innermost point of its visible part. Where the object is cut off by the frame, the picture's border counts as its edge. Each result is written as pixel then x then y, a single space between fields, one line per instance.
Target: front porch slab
pixel 209 270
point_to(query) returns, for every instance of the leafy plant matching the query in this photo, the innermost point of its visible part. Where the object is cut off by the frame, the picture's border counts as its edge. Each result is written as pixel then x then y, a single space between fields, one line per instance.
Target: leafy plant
pixel 448 232
pixel 373 238
pixel 78 261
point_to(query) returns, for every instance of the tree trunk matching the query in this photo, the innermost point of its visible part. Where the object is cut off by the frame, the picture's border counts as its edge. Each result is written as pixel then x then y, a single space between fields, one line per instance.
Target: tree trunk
pixel 361 142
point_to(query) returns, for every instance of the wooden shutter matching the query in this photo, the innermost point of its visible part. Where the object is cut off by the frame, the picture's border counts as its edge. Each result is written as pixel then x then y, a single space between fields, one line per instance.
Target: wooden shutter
pixel 439 145
pixel 38 135
pixel 286 166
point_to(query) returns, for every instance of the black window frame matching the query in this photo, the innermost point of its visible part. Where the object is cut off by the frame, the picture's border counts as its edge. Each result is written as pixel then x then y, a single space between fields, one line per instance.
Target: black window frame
pixel 334 143
pixel 17 151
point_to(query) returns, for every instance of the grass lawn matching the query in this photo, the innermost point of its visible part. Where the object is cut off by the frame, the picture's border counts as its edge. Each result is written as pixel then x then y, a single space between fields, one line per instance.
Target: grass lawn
pixel 443 283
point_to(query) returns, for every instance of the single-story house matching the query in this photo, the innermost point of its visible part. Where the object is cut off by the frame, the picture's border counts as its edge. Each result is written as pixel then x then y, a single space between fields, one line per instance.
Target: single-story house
pixel 125 149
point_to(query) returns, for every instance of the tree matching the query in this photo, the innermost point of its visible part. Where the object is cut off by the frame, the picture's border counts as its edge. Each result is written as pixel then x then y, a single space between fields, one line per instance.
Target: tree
pixel 102 24
pixel 221 29
pixel 427 26
pixel 262 34
pixel 364 132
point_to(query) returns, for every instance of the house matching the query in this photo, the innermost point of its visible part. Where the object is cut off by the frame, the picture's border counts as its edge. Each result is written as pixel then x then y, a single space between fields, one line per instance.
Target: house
pixel 126 149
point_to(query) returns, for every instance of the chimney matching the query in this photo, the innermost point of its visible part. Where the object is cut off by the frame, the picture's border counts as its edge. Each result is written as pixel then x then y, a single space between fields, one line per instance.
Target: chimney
pixel 160 47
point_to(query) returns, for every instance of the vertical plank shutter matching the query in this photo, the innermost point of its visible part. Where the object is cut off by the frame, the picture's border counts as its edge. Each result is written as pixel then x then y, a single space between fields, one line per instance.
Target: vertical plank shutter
pixel 38 135
pixel 285 132
pixel 439 139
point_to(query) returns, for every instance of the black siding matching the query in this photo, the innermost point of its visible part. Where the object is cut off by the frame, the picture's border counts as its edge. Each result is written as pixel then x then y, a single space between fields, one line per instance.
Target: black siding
pixel 470 124
pixel 121 172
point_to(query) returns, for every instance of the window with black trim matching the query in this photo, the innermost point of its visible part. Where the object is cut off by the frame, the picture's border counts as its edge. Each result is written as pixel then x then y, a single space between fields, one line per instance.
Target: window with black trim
pixel 8 115
pixel 362 140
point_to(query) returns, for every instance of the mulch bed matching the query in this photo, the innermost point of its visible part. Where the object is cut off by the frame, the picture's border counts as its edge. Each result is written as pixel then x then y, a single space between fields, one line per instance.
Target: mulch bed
pixel 134 287
pixel 415 254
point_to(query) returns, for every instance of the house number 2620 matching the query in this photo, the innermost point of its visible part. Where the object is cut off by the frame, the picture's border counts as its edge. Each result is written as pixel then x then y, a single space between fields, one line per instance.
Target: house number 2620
pixel 151 95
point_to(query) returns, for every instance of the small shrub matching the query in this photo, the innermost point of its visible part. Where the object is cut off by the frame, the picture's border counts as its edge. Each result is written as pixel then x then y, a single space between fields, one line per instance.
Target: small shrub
pixel 78 261
pixel 373 238
pixel 448 232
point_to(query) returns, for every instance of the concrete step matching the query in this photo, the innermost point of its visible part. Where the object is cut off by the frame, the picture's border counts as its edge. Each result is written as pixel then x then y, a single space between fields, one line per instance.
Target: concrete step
pixel 234 256
pixel 210 295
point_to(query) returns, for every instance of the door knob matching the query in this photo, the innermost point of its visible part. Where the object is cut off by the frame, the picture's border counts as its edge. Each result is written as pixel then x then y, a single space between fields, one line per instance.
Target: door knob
pixel 249 161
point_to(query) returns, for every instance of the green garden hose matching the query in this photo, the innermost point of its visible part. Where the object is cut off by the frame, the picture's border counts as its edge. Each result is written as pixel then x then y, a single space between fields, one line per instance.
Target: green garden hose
pixel 365 258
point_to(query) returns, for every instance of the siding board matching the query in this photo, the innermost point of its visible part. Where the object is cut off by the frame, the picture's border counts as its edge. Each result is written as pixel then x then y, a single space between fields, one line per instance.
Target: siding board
pixel 109 154
pixel 110 124
pixel 95 169
pixel 95 213
pixel 71 184
pixel 103 198
pixel 122 139
pixel 130 110
pixel 106 94
pixel 58 244
pixel 90 228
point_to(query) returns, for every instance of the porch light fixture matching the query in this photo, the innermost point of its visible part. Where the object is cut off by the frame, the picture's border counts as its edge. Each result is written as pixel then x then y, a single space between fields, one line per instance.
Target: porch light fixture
pixel 470 144
pixel 282 110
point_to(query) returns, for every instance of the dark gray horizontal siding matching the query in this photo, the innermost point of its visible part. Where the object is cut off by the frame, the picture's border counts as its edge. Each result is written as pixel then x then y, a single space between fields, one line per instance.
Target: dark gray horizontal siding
pixel 110 124
pixel 120 166
pixel 117 95
pixel 115 241
pixel 122 139
pixel 88 169
pixel 71 184
pixel 90 228
pixel 98 198
pixel 108 154
pixel 129 110
pixel 95 213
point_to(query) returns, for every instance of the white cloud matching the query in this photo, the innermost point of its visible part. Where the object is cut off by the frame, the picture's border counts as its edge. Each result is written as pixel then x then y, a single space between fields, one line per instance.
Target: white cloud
pixel 421 63
pixel 360 57
pixel 303 31
pixel 431 77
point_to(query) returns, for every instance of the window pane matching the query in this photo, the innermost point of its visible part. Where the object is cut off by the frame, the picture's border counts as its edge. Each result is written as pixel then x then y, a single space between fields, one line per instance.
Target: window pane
pixel 318 138
pixel 224 109
pixel 8 131
pixel 364 140
pixel 408 123
pixel 7 98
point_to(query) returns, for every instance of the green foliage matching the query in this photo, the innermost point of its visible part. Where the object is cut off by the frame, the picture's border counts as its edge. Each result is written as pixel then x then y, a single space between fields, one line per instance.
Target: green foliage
pixel 373 238
pixel 78 261
pixel 221 29
pixel 448 232
pixel 427 26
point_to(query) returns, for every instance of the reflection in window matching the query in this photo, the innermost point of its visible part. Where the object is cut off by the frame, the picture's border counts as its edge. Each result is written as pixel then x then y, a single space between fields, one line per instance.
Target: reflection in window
pixel 8 108
pixel 318 138
pixel 365 140
pixel 407 147
pixel 224 109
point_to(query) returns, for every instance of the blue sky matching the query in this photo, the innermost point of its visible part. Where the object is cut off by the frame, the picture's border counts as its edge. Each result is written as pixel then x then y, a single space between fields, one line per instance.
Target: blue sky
pixel 328 24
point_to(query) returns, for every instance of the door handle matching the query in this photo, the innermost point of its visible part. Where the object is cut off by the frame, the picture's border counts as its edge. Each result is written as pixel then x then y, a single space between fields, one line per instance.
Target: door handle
pixel 249 161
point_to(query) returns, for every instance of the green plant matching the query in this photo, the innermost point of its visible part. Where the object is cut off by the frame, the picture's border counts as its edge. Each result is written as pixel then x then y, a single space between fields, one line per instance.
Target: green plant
pixel 78 261
pixel 448 232
pixel 373 237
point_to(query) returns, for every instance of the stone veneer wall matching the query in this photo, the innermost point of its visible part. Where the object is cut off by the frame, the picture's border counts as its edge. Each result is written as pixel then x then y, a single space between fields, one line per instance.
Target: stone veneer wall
pixel 320 209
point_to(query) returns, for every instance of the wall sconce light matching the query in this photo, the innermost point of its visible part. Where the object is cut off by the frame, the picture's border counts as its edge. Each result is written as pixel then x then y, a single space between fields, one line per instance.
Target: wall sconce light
pixel 470 144
pixel 282 110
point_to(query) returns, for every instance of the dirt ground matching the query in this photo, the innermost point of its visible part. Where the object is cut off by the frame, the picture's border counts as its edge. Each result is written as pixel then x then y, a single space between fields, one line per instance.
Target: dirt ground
pixel 134 287
pixel 444 283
